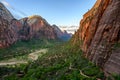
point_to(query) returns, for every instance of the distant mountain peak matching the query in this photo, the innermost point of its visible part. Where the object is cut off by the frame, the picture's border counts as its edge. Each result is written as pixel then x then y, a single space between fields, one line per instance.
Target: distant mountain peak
pixel 35 16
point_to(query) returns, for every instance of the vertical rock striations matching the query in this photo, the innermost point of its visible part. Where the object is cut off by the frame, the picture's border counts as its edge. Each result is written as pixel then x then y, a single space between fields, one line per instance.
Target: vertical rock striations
pixel 99 31
pixel 7 32
pixel 37 27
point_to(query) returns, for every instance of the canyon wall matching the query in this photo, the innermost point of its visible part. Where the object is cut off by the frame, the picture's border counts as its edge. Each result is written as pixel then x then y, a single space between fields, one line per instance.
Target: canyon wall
pixel 7 32
pixel 99 33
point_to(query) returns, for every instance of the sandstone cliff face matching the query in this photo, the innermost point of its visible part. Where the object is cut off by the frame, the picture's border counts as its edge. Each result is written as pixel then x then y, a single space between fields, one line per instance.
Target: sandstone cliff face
pixel 99 31
pixel 24 30
pixel 17 26
pixel 36 27
pixel 7 33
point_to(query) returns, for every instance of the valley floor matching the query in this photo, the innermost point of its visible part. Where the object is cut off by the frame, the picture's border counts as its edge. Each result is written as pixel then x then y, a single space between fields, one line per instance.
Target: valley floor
pixel 46 60
pixel 31 56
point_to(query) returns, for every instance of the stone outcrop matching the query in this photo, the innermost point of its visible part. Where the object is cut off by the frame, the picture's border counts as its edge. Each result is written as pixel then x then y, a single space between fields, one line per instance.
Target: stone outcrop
pixel 24 31
pixel 8 35
pixel 98 33
pixel 36 27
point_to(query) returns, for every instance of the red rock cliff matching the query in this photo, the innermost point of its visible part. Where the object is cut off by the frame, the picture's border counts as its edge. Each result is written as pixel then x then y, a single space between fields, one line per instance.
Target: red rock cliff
pixel 37 27
pixel 98 33
pixel 7 33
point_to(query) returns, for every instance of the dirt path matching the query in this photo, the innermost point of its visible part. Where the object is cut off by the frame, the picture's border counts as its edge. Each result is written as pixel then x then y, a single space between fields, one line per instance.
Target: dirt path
pixel 12 63
pixel 35 55
pixel 83 74
pixel 32 56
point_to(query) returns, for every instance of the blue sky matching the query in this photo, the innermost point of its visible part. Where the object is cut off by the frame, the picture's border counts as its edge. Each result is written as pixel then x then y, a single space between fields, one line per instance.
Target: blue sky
pixel 59 12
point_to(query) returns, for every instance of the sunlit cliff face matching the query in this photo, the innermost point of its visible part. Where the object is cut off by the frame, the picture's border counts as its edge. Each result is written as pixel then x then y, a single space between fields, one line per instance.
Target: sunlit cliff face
pixel 99 32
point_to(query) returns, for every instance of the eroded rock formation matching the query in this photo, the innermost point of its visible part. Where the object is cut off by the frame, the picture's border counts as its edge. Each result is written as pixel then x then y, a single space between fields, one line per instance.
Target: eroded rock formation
pixel 37 27
pixel 98 33
pixel 7 33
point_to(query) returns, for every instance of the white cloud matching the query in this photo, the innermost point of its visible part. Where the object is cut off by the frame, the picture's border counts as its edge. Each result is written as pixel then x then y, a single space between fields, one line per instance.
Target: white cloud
pixel 69 29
